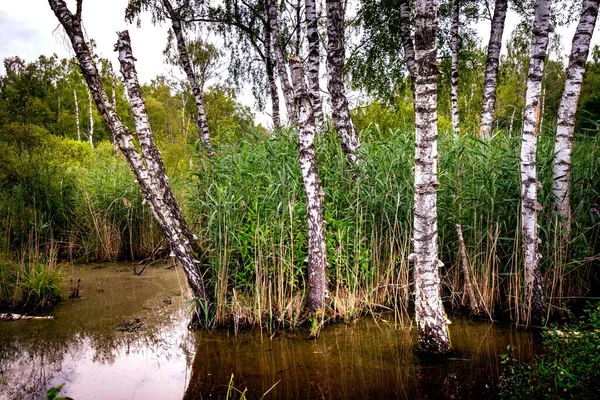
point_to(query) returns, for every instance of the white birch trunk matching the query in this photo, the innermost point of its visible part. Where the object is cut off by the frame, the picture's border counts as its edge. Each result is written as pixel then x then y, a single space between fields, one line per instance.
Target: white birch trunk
pixel 113 101
pixel 91 131
pixel 407 42
pixel 340 111
pixel 312 35
pixel 286 88
pixel 529 182
pixel 317 254
pixel 273 91
pixel 491 70
pixel 563 146
pixel 77 115
pixel 152 192
pixel 454 79
pixel 186 64
pixel 429 311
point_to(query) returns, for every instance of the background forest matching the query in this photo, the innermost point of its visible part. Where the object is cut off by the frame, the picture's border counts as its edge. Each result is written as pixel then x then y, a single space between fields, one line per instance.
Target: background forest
pixel 67 194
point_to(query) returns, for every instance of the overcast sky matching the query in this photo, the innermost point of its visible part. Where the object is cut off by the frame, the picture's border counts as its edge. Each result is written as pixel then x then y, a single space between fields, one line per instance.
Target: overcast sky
pixel 28 28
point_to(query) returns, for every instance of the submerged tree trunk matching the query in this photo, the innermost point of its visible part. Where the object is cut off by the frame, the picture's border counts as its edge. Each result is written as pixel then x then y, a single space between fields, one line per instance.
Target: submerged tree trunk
pixel 317 255
pixel 563 146
pixel 186 64
pixel 77 115
pixel 271 79
pixel 407 42
pixel 312 35
pixel 340 112
pixel 288 92
pixel 491 70
pixel 454 78
pixel 91 131
pixel 429 311
pixel 156 192
pixel 529 182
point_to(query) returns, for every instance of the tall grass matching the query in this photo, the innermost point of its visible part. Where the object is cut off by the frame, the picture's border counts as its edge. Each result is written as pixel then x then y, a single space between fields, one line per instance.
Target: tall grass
pixel 250 203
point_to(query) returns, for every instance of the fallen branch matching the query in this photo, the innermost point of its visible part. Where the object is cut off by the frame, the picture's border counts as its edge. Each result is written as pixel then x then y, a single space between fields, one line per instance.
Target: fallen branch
pixel 14 317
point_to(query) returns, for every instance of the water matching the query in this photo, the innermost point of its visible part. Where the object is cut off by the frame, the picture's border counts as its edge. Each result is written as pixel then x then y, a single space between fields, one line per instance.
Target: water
pixel 98 349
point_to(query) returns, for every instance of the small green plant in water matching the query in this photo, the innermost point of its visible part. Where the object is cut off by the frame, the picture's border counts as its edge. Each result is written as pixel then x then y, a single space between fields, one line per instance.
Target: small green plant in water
pixel 53 393
pixel 2 381
pixel 568 369
pixel 201 312
pixel 41 286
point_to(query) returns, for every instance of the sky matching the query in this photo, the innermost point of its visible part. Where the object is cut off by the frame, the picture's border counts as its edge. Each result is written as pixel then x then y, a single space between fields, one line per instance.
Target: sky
pixel 28 28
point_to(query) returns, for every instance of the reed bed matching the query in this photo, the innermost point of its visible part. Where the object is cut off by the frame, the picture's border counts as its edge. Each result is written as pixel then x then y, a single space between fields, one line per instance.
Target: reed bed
pixel 250 205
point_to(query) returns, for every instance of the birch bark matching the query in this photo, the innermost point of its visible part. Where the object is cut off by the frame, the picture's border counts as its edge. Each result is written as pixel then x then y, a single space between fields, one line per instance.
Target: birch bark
pixel 317 254
pixel 113 102
pixel 77 115
pixel 153 193
pixel 186 64
pixel 563 146
pixel 429 311
pixel 270 67
pixel 312 35
pixel 340 112
pixel 91 131
pixel 491 70
pixel 454 79
pixel 407 42
pixel 288 92
pixel 529 182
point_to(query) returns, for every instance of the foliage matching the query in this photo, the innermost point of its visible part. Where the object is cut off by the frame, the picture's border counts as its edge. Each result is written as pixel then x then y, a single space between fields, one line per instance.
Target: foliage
pixel 250 203
pixel 568 368
pixel 53 393
pixel 41 286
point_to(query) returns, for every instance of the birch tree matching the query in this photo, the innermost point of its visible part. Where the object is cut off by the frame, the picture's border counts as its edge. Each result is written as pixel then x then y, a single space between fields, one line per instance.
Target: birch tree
pixel 270 69
pixel 529 182
pixel 406 38
pixel 429 311
pixel 317 254
pixel 563 146
pixel 491 69
pixel 165 10
pixel 91 127
pixel 312 35
pixel 454 41
pixel 147 167
pixel 340 113
pixel 288 92
pixel 77 115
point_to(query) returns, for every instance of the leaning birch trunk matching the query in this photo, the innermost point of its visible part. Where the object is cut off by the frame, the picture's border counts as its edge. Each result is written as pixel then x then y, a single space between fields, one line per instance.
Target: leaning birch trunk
pixel 77 116
pixel 429 311
pixel 563 147
pixel 91 131
pixel 286 88
pixel 464 262
pixel 406 38
pixel 312 35
pixel 454 78
pixel 529 183
pixel 317 255
pixel 113 101
pixel 491 70
pixel 186 64
pixel 180 246
pixel 340 111
pixel 271 79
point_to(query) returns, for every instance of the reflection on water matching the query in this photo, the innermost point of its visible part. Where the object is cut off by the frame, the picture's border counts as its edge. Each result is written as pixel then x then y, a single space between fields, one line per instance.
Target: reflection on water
pixel 84 349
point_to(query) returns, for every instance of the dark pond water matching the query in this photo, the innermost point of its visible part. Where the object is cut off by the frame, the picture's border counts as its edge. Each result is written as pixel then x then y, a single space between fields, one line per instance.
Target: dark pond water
pixel 126 338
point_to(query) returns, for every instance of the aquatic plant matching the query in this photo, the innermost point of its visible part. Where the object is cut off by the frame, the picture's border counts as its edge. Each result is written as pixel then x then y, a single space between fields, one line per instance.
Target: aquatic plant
pixel 568 367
